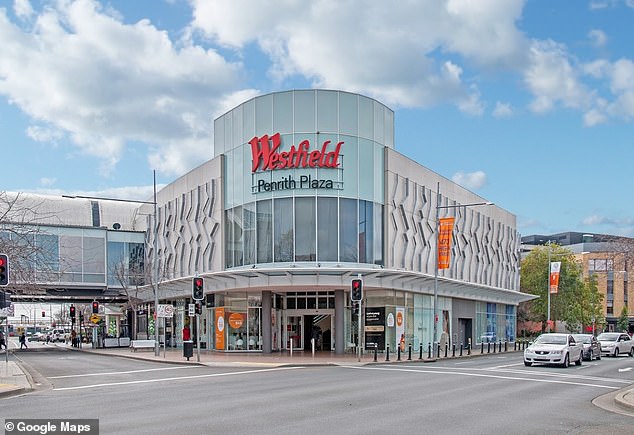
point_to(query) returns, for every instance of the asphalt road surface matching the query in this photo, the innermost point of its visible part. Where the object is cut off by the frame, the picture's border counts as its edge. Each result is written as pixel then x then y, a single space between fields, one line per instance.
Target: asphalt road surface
pixel 485 395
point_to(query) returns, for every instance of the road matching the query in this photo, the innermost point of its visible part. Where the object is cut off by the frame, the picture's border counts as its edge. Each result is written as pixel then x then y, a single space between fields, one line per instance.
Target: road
pixel 484 395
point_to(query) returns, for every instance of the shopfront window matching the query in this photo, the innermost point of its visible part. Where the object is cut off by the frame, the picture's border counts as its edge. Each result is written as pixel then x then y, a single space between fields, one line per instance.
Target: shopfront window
pixel 327 229
pixel 304 229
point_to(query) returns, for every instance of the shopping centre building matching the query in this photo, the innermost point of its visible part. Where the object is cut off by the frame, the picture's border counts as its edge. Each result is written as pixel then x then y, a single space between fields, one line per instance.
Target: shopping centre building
pixel 305 192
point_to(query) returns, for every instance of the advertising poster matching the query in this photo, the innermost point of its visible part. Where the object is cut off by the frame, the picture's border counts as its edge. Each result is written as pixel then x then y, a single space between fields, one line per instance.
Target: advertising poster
pixel 220 328
pixel 400 327
pixel 375 328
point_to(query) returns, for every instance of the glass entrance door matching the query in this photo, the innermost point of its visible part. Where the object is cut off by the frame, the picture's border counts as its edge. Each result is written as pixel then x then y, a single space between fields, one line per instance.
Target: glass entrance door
pixel 295 332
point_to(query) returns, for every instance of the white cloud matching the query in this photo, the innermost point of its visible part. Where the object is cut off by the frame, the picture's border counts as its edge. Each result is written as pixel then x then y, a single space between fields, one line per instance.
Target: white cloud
pixel 105 83
pixel 594 117
pixel 47 181
pixel 44 134
pixel 553 79
pixel 598 37
pixel 398 55
pixel 470 180
pixel 502 110
pixel 23 9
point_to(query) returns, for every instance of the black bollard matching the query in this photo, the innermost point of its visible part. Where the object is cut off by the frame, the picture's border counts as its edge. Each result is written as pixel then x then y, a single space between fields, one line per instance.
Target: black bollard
pixel 398 353
pixel 453 350
pixel 460 349
pixel 428 350
pixel 482 347
pixel 420 354
pixel 387 353
pixel 495 345
pixel 488 347
pixel 500 346
pixel 376 350
pixel 515 345
pixel 468 348
pixel 438 353
pixel 409 352
pixel 446 349
pixel 506 345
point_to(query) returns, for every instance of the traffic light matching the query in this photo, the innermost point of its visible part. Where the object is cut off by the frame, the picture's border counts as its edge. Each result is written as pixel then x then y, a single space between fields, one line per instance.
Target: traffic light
pixel 356 293
pixel 72 313
pixel 199 308
pixel 4 270
pixel 43 313
pixel 95 307
pixel 5 299
pixel 197 289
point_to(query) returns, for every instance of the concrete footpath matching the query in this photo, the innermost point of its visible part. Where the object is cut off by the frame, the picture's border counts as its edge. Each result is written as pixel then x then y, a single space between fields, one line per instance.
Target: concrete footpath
pixel 15 380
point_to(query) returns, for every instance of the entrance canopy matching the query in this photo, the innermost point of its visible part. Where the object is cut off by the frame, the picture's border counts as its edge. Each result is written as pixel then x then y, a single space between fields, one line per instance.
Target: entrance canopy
pixel 337 278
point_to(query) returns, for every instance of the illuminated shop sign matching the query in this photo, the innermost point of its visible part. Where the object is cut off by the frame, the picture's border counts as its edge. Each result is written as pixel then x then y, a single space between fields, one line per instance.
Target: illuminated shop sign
pixel 267 157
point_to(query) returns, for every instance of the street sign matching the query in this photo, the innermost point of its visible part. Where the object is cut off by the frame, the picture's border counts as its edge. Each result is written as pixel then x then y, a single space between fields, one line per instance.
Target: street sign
pixel 95 318
pixel 165 310
pixel 192 310
pixel 8 312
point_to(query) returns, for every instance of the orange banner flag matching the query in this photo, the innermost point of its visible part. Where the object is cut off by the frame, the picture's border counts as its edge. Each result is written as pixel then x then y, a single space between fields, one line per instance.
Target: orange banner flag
pixel 555 267
pixel 444 242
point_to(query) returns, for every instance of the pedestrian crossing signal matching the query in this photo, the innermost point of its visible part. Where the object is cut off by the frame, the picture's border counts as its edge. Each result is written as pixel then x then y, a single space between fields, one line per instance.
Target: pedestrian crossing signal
pixel 197 289
pixel 356 293
pixel 4 270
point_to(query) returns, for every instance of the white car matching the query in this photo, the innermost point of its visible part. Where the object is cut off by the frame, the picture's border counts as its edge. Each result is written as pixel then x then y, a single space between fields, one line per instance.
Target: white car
pixel 553 348
pixel 614 343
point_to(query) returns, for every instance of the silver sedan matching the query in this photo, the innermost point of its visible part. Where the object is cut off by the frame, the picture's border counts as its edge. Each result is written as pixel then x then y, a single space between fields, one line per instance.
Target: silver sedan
pixel 553 348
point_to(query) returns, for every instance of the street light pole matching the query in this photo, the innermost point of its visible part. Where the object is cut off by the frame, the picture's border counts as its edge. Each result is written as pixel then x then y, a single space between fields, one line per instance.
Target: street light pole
pixel 157 348
pixel 438 207
pixel 548 286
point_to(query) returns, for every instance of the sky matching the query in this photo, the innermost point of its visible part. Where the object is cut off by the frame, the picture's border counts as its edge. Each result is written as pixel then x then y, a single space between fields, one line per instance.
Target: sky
pixel 527 103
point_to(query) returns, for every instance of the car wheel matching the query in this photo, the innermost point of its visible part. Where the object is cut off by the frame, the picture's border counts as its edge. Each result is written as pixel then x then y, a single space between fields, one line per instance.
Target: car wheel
pixel 599 355
pixel 616 352
pixel 589 358
pixel 632 352
pixel 528 364
pixel 578 362
pixel 566 362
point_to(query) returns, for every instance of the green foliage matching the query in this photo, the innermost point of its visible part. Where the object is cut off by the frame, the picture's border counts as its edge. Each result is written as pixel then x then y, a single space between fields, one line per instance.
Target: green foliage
pixel 623 322
pixel 576 303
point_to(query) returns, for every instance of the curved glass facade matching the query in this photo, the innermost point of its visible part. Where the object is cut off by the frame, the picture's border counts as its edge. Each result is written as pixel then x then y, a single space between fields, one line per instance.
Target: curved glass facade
pixel 304 229
pixel 304 175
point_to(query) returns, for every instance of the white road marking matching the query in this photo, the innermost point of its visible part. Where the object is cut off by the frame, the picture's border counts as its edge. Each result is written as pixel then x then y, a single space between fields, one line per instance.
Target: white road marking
pixel 120 373
pixel 573 375
pixel 626 369
pixel 482 375
pixel 147 381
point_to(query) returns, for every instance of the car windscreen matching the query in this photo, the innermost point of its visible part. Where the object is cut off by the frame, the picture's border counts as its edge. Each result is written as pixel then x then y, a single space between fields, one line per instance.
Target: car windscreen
pixel 583 338
pixel 551 339
pixel 608 337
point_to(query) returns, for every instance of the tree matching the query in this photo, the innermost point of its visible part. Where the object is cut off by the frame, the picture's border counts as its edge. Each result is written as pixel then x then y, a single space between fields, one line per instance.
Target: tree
pixel 623 323
pixel 574 300
pixel 23 240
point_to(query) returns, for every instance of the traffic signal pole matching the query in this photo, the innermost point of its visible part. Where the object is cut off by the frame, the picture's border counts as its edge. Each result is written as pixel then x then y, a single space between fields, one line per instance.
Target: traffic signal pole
pixel 197 337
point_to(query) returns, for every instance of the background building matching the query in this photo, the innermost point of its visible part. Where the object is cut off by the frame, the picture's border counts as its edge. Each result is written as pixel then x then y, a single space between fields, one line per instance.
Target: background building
pixel 607 257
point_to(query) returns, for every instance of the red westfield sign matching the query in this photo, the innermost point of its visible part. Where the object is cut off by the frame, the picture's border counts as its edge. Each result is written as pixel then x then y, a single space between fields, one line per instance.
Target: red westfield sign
pixel 266 156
